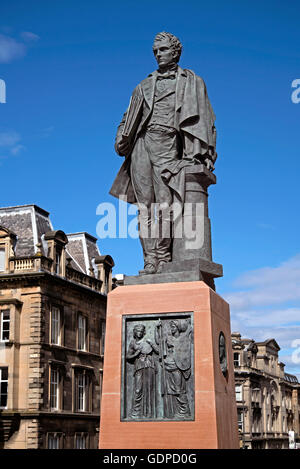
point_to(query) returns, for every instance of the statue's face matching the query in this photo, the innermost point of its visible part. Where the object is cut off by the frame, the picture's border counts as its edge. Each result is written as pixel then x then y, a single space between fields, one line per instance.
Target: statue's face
pixel 163 52
pixel 222 347
pixel 173 328
pixel 139 333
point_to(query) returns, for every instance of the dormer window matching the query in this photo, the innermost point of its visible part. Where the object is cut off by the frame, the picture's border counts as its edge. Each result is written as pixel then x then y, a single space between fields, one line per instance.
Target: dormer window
pixel 7 245
pixel 57 241
pixel 104 266
pixel 57 261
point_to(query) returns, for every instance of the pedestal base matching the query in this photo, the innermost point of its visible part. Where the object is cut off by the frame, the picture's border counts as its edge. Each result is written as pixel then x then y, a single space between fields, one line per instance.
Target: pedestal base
pixel 214 423
pixel 181 271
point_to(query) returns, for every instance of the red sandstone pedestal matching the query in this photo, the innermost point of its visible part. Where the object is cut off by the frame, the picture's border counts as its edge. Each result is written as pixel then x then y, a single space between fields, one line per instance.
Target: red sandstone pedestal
pixel 215 422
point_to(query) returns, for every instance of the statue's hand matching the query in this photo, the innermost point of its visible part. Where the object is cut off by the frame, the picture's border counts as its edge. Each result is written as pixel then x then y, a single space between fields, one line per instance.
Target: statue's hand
pixel 209 164
pixel 123 147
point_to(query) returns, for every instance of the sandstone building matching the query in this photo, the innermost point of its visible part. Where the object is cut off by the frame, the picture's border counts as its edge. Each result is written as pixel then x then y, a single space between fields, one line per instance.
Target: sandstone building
pixel 53 291
pixel 268 399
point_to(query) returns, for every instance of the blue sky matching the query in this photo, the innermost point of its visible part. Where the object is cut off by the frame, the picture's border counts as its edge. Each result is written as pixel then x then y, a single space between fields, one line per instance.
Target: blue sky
pixel 69 69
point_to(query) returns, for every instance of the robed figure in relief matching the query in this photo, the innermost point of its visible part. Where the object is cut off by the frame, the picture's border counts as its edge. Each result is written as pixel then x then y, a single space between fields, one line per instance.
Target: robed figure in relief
pixel 141 353
pixel 175 357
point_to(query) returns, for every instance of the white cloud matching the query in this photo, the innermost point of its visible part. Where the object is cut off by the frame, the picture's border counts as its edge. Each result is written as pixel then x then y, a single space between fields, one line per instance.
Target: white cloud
pixel 46 132
pixel 269 286
pixel 10 49
pixel 283 335
pixel 10 141
pixel 287 359
pixel 28 36
pixel 266 305
pixel 267 275
pixel 276 317
pixel 17 149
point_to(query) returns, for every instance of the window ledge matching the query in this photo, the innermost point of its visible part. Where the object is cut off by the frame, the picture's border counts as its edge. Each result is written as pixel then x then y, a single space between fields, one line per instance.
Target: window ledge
pixel 83 412
pixel 7 343
pixel 73 350
pixel 10 301
pixel 88 353
pixel 84 367
pixel 57 346
pixel 84 352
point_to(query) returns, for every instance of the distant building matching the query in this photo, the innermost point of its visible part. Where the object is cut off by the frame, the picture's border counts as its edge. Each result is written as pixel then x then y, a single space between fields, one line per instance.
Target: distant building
pixel 268 399
pixel 53 290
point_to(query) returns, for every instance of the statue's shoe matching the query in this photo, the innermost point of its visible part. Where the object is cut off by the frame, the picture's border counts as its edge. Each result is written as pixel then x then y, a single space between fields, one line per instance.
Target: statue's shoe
pixel 148 269
pixel 160 266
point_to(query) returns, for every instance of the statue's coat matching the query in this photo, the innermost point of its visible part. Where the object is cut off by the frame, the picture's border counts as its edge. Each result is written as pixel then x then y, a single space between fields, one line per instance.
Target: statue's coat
pixel 194 120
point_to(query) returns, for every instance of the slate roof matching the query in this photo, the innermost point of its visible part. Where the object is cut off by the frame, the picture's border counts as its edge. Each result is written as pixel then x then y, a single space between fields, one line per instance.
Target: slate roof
pixel 83 249
pixel 30 223
pixel 291 378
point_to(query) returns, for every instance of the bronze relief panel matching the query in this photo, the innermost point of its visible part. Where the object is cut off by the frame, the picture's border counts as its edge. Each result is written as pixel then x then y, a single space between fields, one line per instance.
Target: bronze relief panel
pixel 157 367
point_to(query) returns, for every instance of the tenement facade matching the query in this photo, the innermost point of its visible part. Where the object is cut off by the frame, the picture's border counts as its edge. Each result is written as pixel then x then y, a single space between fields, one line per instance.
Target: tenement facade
pixel 53 291
pixel 268 399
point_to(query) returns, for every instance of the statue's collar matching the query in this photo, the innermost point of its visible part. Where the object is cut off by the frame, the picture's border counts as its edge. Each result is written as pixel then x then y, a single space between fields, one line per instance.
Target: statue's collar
pixel 180 71
pixel 171 69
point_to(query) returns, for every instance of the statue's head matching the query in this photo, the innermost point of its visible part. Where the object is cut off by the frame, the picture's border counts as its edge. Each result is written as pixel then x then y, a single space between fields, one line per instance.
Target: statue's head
pixel 179 325
pixel 139 331
pixel 222 347
pixel 167 49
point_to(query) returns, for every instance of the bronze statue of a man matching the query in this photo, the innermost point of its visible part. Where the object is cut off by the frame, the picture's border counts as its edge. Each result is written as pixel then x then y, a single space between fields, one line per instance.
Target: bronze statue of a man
pixel 174 129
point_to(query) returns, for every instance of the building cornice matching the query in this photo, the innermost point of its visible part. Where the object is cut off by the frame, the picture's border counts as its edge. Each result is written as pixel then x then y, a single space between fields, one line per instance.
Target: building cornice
pixel 31 277
pixel 44 413
pixel 10 301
